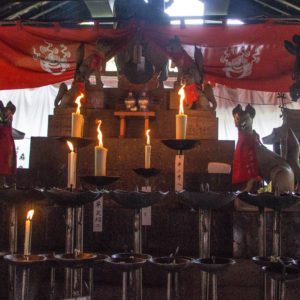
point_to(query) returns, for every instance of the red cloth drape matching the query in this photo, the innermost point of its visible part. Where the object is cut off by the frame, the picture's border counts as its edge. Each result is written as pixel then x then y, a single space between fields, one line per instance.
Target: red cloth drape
pixel 247 56
pixel 33 56
pixel 7 151
pixel 191 93
pixel 245 165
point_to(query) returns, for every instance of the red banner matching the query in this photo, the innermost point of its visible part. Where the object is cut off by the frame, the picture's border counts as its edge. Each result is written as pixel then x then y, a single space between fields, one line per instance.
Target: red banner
pixel 32 56
pixel 245 56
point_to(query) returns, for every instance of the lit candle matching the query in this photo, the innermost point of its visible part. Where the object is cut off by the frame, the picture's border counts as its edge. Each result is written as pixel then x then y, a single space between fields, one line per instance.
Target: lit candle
pixel 77 119
pixel 148 151
pixel 181 118
pixel 28 230
pixel 72 162
pixel 100 155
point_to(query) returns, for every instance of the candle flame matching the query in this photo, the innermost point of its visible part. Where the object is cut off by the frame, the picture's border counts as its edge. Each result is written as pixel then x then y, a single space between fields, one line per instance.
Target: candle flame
pixel 30 214
pixel 77 101
pixel 99 134
pixel 70 145
pixel 182 96
pixel 148 136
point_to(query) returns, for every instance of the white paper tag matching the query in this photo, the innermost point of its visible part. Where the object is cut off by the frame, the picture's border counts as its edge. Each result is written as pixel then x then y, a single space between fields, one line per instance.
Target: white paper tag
pixel 98 215
pixel 146 211
pixel 179 169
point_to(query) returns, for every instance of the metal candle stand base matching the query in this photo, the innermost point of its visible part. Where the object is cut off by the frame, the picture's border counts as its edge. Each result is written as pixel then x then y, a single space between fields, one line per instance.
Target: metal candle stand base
pixel 276 203
pixel 23 263
pixel 136 201
pixel 204 247
pixel 14 197
pixel 130 264
pixel 214 266
pixel 204 202
pixel 173 286
pixel 75 263
pixel 173 265
pixel 74 202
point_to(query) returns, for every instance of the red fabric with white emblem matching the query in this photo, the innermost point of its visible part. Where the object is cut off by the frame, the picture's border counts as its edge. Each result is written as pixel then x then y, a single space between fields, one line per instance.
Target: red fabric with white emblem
pixel 247 56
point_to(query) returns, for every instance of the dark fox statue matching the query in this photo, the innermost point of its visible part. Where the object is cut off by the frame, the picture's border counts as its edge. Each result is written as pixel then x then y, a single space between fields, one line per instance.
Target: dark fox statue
pixel 284 174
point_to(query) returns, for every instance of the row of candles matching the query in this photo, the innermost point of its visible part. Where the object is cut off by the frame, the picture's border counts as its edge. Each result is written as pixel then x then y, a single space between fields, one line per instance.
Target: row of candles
pixel 100 154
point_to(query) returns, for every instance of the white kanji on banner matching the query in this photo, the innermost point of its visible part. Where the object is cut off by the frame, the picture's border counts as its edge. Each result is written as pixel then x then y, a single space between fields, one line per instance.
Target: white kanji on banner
pixel 239 61
pixel 52 59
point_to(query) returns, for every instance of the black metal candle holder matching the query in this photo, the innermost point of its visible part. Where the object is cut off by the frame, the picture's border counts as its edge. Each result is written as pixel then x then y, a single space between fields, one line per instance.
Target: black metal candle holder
pixel 214 266
pixel 270 200
pixel 13 198
pixel 74 202
pixel 99 181
pixel 130 265
pixel 74 260
pixel 265 261
pixel 204 203
pixel 277 203
pixel 74 263
pixel 181 144
pixel 67 198
pixel 137 201
pixel 25 262
pixel 78 142
pixel 146 172
pixel 205 200
pixel 280 274
pixel 173 265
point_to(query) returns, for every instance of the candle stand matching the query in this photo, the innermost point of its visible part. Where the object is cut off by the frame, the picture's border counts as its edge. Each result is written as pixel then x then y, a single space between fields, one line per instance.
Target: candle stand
pixel 214 266
pixel 281 273
pixel 147 173
pixel 96 182
pixel 277 204
pixel 129 264
pixel 74 202
pixel 25 263
pixel 173 265
pixel 180 145
pixel 74 213
pixel 3 276
pixel 204 203
pixel 13 198
pixel 137 201
pixel 77 262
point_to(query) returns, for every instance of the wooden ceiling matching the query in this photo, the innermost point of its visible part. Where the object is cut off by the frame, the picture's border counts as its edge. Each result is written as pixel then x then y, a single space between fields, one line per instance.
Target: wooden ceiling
pixel 77 10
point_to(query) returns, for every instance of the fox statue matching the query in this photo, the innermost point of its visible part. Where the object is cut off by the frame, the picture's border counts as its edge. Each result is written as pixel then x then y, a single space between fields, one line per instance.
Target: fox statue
pixel 253 161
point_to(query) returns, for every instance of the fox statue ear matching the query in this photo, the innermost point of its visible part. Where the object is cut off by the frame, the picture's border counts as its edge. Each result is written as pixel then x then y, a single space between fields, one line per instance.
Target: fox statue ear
pixel 237 109
pixel 250 110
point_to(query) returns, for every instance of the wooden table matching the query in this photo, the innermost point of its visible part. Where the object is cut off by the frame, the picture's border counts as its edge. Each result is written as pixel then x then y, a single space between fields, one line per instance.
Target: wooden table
pixel 132 114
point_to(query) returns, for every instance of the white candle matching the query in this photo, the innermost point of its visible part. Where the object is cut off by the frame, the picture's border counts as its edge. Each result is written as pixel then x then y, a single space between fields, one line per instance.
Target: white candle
pixel 72 163
pixel 77 125
pixel 77 119
pixel 100 155
pixel 181 122
pixel 148 151
pixel 181 118
pixel 28 230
